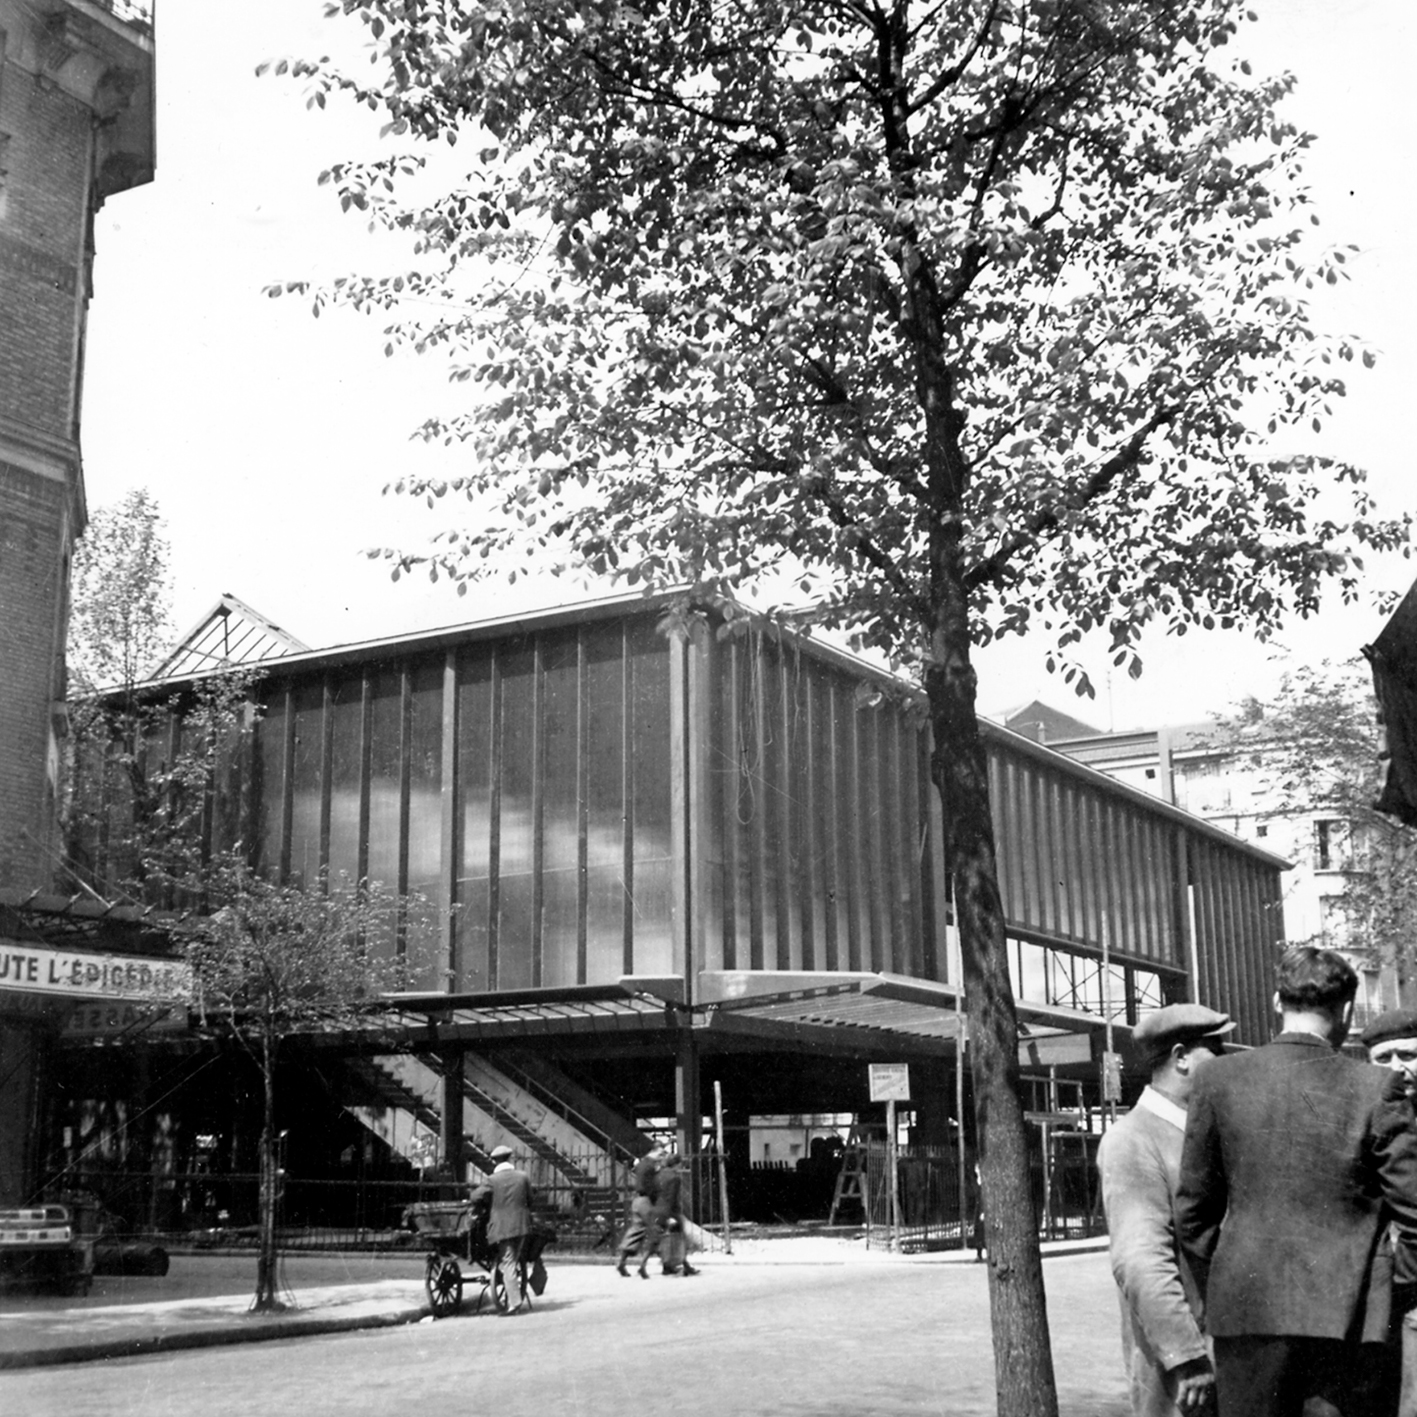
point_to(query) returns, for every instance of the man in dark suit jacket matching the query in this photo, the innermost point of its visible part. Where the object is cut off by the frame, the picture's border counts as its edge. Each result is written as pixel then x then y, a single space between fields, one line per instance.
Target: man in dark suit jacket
pixel 1296 1159
pixel 509 1221
pixel 669 1214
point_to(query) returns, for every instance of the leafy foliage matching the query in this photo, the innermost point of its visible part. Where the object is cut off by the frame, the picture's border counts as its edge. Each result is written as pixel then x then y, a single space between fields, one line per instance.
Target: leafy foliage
pixel 964 318
pixel 144 768
pixel 1315 750
pixel 757 286
pixel 275 960
pixel 141 765
pixel 119 618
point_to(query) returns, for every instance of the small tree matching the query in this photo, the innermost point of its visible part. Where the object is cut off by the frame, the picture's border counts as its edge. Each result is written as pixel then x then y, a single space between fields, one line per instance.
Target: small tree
pixel 277 962
pixel 1314 748
pixel 120 622
pixel 970 317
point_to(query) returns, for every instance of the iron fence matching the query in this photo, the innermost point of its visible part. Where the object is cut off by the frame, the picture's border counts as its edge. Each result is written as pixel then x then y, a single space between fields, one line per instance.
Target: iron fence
pixel 319 1213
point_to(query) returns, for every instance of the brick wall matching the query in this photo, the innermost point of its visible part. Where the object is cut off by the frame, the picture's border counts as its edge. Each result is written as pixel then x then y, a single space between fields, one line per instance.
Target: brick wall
pixel 43 233
pixel 33 542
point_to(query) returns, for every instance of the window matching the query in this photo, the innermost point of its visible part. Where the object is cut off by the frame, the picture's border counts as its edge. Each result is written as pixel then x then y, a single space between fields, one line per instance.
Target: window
pixel 1330 845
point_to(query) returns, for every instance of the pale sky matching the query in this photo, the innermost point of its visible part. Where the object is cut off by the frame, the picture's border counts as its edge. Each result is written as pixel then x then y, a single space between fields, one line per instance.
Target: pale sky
pixel 267 435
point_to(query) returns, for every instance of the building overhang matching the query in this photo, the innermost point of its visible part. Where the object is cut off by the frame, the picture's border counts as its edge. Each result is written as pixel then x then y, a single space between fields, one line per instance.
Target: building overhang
pixel 854 1014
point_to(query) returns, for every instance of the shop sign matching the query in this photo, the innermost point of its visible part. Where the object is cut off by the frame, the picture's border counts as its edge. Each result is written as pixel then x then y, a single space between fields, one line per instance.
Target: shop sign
pixel 119 1017
pixel 74 975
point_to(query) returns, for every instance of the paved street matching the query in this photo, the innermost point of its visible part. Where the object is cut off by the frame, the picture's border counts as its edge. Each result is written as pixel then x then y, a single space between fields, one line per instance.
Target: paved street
pixel 791 1340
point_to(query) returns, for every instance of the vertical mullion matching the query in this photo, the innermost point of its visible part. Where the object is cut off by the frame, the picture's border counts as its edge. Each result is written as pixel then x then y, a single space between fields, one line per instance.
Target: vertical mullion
pixel 494 824
pixel 249 815
pixel 287 786
pixel 627 796
pixel 1183 945
pixel 730 750
pixel 538 807
pixel 701 899
pixel 450 846
pixel 582 806
pixel 855 906
pixel 405 770
pixel 758 822
pixel 366 762
pixel 832 884
pixel 783 816
pixel 680 837
pixel 327 762
pixel 879 825
pixel 810 833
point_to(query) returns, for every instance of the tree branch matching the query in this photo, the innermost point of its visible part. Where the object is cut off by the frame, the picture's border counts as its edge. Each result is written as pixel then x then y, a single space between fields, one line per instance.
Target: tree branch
pixel 1050 518
pixel 953 74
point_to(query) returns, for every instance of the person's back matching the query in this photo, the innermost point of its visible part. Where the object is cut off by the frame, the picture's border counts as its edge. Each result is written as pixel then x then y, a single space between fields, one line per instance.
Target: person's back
pixel 510 1215
pixel 1294 1160
pixel 1289 1127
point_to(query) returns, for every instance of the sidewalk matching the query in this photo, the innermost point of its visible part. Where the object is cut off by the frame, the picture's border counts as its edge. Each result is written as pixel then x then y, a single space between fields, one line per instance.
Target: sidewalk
pixel 126 1319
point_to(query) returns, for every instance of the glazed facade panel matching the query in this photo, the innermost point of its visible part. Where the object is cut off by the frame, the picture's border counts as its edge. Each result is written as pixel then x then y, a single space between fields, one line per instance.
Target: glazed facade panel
pixel 590 800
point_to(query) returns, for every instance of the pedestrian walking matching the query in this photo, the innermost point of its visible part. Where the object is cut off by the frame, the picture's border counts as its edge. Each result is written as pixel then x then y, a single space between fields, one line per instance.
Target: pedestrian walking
pixel 507 1193
pixel 642 1236
pixel 669 1214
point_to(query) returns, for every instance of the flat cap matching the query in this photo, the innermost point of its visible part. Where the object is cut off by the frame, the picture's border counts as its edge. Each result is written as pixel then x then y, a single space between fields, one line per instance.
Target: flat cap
pixel 1159 1032
pixel 500 1153
pixel 1395 1023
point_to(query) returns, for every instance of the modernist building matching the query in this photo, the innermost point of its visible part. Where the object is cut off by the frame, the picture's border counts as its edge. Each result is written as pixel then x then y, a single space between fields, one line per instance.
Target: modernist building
pixel 669 850
pixel 1224 774
pixel 76 127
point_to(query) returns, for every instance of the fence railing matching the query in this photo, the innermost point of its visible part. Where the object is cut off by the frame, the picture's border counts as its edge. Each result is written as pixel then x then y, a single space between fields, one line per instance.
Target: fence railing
pixel 207 1210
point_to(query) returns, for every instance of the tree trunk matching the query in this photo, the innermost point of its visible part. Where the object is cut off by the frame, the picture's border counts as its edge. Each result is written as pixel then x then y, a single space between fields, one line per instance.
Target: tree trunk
pixel 266 1301
pixel 1023 1360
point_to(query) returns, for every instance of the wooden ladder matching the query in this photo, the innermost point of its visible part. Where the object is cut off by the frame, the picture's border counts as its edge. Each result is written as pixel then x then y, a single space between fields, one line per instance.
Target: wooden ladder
pixel 852 1181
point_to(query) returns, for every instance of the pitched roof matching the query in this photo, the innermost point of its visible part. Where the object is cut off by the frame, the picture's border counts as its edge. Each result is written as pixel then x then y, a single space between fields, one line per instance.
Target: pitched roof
pixel 1046 724
pixel 231 632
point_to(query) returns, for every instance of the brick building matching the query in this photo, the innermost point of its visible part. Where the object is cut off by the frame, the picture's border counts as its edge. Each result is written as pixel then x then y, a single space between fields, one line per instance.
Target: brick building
pixel 76 127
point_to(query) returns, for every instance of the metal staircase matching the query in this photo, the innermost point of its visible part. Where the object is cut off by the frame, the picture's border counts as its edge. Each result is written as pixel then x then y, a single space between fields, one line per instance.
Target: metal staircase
pixel 505 1106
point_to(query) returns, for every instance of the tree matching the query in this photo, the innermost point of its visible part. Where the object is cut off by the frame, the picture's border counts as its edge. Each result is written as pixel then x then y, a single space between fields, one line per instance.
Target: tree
pixel 1315 750
pixel 972 317
pixel 142 763
pixel 280 961
pixel 152 817
pixel 119 618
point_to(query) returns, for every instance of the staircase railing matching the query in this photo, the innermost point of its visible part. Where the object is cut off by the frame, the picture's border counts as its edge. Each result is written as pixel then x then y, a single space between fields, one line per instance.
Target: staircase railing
pixel 616 1150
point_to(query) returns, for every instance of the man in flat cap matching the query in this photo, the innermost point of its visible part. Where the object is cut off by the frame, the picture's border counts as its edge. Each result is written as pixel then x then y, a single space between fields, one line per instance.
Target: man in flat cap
pixel 1391 1041
pixel 1168 1360
pixel 1296 1160
pixel 508 1193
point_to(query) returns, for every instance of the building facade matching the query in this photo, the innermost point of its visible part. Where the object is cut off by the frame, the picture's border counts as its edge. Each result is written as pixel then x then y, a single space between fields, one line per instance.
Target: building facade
pixel 1227 774
pixel 674 855
pixel 76 127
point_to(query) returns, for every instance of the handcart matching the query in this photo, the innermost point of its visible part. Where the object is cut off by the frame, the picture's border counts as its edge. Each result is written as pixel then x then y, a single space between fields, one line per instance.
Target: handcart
pixel 455 1233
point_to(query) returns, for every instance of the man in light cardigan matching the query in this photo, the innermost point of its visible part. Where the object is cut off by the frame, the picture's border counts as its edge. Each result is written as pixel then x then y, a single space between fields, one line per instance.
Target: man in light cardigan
pixel 1168 1361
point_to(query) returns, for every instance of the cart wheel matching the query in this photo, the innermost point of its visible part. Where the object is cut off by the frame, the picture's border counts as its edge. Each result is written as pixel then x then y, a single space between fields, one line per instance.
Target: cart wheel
pixel 443 1282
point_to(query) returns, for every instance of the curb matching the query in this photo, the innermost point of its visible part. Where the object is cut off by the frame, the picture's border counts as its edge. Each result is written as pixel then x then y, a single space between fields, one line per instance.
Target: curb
pixel 259 1331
